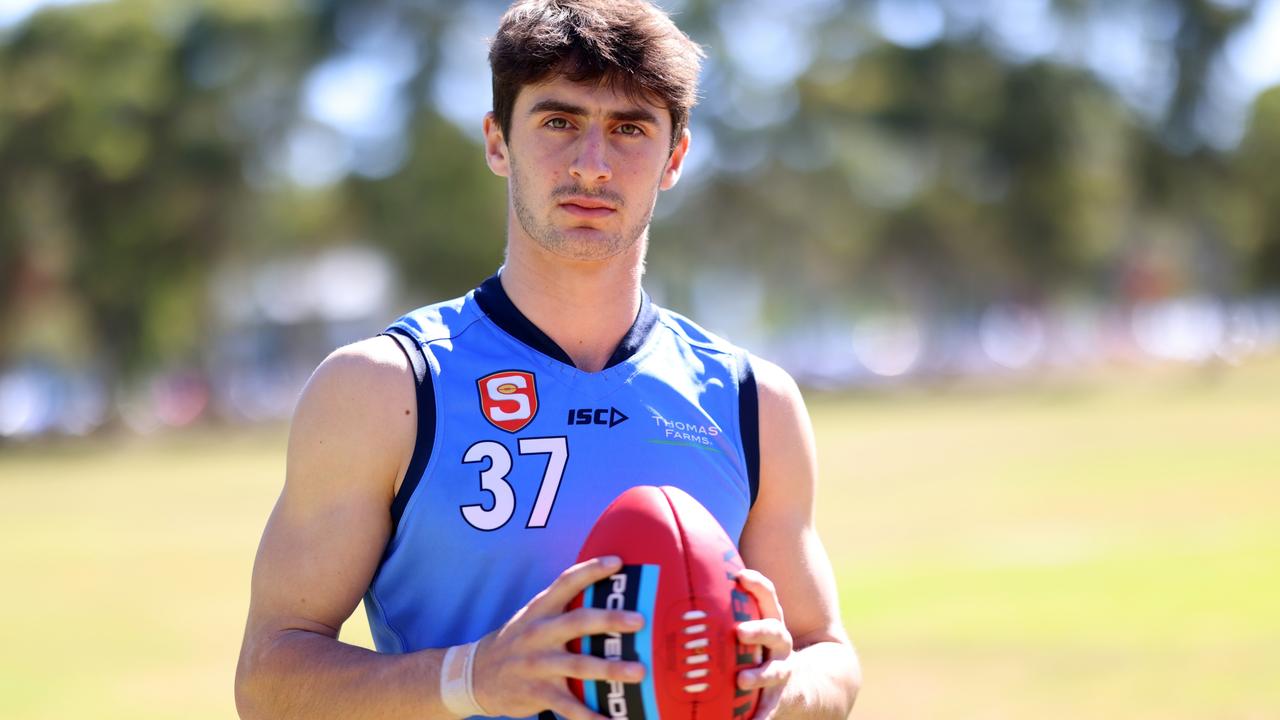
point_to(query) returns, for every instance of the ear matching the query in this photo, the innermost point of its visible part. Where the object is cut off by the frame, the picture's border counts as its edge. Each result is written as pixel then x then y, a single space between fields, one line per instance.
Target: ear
pixel 675 163
pixel 495 147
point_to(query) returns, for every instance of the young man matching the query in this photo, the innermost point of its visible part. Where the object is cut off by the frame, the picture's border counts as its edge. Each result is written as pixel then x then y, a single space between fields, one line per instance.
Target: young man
pixel 449 470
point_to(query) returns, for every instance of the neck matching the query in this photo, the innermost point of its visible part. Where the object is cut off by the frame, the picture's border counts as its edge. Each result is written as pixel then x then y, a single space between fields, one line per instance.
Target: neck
pixel 585 307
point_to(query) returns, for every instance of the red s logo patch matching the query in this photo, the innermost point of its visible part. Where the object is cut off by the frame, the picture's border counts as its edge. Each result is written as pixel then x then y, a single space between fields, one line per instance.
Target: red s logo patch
pixel 509 399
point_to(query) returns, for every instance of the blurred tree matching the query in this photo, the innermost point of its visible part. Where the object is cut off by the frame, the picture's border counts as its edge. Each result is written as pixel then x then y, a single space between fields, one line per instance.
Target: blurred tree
pixel 1198 31
pixel 1257 161
pixel 1203 31
pixel 144 142
pixel 442 216
pixel 1187 212
pixel 117 147
pixel 942 168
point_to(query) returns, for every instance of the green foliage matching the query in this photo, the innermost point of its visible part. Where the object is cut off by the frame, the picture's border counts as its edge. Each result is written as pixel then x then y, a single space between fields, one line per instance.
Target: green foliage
pixel 109 153
pixel 443 216
pixel 139 147
pixel 1258 159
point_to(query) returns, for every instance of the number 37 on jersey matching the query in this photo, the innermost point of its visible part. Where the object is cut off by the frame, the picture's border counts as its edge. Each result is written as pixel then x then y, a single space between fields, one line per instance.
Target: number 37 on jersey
pixel 509 400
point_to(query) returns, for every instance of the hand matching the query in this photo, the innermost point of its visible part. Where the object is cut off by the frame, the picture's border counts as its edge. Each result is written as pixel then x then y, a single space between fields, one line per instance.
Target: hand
pixel 771 632
pixel 521 668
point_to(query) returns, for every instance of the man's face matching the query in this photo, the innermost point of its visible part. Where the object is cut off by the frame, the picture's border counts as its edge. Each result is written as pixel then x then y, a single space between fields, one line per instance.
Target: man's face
pixel 584 165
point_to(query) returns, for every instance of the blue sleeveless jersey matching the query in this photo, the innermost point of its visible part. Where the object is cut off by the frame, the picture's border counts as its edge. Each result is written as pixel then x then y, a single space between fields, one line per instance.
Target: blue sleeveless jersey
pixel 518 453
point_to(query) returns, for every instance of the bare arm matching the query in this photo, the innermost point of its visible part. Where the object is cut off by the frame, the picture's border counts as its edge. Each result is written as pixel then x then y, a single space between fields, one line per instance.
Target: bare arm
pixel 352 437
pixel 821 677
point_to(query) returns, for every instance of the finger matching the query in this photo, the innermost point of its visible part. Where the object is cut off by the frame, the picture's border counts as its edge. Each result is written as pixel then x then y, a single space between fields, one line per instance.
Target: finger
pixel 573 581
pixel 771 674
pixel 586 667
pixel 581 622
pixel 769 632
pixel 564 704
pixel 762 589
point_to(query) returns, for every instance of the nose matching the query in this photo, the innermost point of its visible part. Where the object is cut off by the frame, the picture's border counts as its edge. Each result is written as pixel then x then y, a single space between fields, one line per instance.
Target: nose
pixel 589 162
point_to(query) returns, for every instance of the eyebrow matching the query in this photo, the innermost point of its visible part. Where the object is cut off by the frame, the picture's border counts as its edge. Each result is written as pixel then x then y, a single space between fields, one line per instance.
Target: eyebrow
pixel 629 115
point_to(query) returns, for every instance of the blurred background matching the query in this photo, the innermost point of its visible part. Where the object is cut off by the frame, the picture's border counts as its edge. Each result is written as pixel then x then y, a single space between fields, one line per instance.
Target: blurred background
pixel 1024 255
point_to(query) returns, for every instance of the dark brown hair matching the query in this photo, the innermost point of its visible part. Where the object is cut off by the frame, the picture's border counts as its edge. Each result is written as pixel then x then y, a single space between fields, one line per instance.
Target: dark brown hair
pixel 627 44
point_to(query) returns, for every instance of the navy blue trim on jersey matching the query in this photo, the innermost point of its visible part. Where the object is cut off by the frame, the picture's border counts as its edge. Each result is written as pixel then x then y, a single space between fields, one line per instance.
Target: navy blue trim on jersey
pixel 426 396
pixel 637 334
pixel 494 301
pixel 749 422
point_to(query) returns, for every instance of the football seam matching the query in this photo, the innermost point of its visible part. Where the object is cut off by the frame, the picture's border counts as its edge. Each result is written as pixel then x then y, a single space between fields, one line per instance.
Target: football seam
pixel 684 544
pixel 688 574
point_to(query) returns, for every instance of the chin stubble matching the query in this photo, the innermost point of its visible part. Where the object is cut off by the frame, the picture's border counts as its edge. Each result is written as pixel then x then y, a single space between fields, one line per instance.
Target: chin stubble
pixel 551 238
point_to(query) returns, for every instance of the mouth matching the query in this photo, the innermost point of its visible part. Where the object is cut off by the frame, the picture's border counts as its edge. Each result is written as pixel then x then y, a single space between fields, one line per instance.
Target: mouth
pixel 587 207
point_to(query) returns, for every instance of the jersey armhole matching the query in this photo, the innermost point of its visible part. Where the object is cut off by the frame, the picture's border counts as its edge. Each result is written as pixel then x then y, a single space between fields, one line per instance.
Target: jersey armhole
pixel 426 401
pixel 749 422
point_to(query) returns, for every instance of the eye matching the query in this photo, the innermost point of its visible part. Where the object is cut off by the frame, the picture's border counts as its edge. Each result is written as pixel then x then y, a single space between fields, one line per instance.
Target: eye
pixel 557 123
pixel 630 129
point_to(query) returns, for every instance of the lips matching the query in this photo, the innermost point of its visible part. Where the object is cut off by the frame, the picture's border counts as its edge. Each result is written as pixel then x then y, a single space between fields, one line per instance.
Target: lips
pixel 584 208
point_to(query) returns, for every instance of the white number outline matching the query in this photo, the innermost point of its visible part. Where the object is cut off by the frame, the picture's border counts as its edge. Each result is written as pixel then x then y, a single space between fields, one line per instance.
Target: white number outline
pixel 504 496
pixel 557 451
pixel 493 480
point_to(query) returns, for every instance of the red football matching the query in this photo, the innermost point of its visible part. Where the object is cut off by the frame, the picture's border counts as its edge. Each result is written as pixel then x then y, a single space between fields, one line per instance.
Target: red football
pixel 679 569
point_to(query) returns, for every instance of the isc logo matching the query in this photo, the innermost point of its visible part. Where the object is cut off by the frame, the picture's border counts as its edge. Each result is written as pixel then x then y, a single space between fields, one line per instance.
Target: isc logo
pixel 509 399
pixel 596 416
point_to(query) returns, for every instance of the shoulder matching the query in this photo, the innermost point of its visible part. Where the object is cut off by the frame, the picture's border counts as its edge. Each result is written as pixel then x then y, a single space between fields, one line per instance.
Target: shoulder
pixel 439 321
pixel 356 417
pixel 693 334
pixel 775 388
pixel 710 349
pixel 363 373
pixel 777 391
pixel 788 462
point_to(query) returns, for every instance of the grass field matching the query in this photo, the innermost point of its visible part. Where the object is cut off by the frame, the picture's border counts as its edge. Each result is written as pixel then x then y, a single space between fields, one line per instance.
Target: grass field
pixel 1104 548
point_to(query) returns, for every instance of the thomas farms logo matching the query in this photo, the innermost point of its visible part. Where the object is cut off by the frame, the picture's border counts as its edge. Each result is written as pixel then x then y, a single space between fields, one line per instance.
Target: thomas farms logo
pixel 677 432
pixel 509 399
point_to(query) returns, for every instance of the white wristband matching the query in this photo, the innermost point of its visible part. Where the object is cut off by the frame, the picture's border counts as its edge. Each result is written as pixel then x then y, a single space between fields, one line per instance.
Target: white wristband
pixel 457 688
